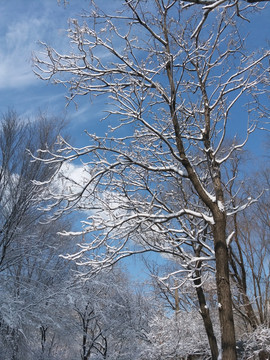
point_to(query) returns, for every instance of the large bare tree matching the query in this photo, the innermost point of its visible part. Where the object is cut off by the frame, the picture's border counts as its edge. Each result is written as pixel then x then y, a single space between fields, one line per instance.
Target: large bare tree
pixel 171 75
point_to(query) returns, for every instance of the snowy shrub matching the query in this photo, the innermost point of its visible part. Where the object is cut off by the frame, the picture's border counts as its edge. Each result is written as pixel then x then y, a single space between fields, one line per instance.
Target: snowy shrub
pixel 256 342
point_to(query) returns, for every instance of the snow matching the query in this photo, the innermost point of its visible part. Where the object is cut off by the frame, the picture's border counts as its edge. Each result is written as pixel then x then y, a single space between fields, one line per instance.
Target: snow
pixel 221 206
pixel 229 238
pixel 220 355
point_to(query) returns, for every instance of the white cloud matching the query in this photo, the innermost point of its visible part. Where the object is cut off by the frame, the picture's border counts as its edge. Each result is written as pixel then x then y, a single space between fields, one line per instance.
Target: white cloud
pixel 20 33
pixel 15 56
pixel 73 177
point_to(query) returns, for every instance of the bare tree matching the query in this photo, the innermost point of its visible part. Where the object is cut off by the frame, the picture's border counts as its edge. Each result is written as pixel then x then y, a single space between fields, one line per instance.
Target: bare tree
pixel 93 340
pixel 19 196
pixel 28 257
pixel 173 76
pixel 249 251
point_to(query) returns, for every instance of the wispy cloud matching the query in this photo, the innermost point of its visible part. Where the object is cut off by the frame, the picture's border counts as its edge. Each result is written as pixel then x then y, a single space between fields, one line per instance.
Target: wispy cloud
pixel 15 56
pixel 19 36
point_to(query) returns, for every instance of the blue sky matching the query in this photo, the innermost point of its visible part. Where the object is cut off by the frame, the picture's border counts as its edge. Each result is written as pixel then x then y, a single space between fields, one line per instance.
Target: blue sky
pixel 24 23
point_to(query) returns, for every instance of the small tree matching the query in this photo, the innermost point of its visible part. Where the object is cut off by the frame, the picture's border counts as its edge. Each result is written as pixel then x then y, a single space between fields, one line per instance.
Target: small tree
pixel 110 319
pixel 174 76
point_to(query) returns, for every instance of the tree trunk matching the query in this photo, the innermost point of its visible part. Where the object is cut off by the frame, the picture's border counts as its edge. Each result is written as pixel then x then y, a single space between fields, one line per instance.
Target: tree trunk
pixel 228 343
pixel 206 319
pixel 250 311
pixel 204 310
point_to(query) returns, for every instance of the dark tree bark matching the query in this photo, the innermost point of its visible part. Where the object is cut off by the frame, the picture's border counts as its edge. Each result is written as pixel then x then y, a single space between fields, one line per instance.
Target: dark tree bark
pixel 228 342
pixel 205 313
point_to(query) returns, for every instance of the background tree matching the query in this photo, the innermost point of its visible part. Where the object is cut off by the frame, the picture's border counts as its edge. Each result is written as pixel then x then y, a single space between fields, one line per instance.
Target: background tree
pixel 110 317
pixel 45 313
pixel 174 76
pixel 30 266
pixel 249 252
pixel 20 197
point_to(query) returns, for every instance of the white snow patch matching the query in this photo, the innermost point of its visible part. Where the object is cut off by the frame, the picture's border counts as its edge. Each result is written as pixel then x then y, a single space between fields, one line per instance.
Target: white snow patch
pixel 221 206
pixel 229 238
pixel 220 355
